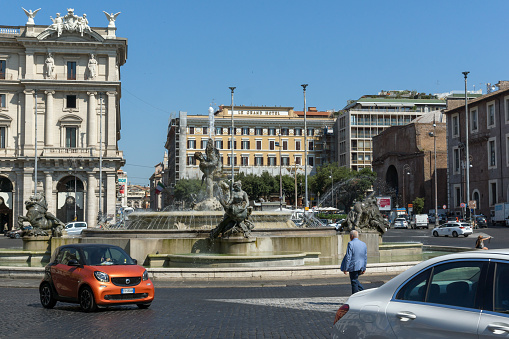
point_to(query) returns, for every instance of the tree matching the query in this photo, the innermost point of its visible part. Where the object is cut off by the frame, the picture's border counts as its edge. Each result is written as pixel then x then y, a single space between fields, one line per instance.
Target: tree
pixel 418 205
pixel 189 190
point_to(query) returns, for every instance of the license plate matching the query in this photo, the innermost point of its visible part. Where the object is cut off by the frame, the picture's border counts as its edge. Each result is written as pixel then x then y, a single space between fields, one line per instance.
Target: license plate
pixel 127 290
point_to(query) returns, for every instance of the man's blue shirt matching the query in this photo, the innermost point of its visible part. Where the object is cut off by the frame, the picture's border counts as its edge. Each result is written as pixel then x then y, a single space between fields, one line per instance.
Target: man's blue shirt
pixel 356 256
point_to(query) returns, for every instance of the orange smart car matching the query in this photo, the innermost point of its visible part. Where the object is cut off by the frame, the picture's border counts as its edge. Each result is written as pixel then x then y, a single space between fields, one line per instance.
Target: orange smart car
pixel 95 275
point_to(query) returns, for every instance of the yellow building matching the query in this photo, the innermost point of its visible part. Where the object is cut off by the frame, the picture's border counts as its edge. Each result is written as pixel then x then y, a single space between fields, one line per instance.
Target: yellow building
pixel 266 139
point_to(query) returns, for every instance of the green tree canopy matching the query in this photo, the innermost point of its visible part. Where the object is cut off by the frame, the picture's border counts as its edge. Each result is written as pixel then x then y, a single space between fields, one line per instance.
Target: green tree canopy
pixel 188 190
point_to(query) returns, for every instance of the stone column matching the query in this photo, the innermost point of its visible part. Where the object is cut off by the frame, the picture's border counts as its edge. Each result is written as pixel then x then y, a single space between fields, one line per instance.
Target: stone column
pixel 111 196
pixel 92 120
pixel 48 192
pixel 28 121
pixel 49 123
pixel 111 122
pixel 92 200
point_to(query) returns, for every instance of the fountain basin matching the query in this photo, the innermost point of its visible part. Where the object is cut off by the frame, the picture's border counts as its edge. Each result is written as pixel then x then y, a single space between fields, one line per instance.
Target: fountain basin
pixel 204 220
pixel 222 260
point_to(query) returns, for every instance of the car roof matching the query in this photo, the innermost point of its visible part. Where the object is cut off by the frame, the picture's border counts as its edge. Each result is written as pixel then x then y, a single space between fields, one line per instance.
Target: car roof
pixel 475 254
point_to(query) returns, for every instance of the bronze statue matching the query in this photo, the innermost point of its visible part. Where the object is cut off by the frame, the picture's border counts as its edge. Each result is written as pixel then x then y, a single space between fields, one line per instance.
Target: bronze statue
pixel 365 215
pixel 39 217
pixel 236 212
pixel 210 165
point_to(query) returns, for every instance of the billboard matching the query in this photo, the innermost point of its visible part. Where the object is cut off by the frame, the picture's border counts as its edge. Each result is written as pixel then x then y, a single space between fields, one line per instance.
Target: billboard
pixel 383 203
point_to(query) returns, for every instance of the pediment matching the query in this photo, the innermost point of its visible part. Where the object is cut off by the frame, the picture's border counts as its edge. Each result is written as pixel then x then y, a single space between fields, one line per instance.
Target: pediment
pixel 5 120
pixel 52 35
pixel 70 119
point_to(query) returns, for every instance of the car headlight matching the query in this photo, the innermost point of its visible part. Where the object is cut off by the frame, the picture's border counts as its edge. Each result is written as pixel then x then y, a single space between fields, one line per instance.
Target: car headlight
pixel 145 275
pixel 101 276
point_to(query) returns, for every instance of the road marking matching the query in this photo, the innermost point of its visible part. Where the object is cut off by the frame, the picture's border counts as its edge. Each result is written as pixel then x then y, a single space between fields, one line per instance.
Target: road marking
pixel 322 304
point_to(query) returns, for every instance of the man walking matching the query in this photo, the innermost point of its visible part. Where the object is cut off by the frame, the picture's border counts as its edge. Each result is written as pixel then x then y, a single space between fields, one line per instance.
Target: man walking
pixel 355 260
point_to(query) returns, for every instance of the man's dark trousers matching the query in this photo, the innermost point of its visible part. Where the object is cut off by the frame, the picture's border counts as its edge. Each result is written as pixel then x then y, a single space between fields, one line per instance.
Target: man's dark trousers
pixel 354 280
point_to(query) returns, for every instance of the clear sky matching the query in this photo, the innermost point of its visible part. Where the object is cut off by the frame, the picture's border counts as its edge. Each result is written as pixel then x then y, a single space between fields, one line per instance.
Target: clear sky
pixel 183 55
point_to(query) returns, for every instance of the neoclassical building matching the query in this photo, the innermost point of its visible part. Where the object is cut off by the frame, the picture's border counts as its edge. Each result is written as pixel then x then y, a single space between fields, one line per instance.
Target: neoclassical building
pixel 60 100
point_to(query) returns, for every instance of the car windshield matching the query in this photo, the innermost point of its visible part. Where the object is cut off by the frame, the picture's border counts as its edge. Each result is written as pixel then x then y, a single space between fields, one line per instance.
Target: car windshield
pixel 106 255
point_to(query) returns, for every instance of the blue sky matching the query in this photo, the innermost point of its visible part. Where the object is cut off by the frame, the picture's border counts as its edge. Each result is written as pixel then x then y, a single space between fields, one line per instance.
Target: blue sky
pixel 183 55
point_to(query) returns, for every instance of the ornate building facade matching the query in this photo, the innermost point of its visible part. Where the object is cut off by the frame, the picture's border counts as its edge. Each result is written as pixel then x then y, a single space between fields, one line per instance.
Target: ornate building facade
pixel 60 101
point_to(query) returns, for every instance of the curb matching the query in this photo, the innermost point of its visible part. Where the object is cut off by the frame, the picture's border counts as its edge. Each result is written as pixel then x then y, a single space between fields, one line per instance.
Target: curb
pixel 224 274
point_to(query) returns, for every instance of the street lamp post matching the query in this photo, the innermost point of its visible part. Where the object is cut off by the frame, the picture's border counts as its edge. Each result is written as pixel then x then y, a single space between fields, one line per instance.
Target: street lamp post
pixel 280 177
pixel 467 155
pixel 406 171
pixel 332 185
pixel 100 214
pixel 35 158
pixel 232 143
pixel 306 206
pixel 75 168
pixel 434 135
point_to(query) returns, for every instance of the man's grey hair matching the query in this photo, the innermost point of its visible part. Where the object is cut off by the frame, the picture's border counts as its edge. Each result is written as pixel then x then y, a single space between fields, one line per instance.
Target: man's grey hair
pixel 354 234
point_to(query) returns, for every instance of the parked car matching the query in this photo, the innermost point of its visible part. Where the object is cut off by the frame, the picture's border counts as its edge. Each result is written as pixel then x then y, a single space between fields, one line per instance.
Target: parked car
pixel 454 228
pixel 461 295
pixel 18 233
pixel 76 227
pixel 400 223
pixel 94 275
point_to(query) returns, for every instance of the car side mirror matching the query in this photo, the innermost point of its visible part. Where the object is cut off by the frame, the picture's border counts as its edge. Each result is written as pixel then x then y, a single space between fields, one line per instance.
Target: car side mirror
pixel 73 262
pixel 135 261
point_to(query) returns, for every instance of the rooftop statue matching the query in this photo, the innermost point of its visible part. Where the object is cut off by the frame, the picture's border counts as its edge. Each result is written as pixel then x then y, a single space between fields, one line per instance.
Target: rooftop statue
pixel 31 15
pixel 70 22
pixel 236 212
pixel 111 18
pixel 39 217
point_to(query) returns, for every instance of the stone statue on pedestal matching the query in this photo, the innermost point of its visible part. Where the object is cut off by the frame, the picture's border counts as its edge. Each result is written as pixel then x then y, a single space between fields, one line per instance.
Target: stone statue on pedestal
pixel 365 215
pixel 39 217
pixel 236 213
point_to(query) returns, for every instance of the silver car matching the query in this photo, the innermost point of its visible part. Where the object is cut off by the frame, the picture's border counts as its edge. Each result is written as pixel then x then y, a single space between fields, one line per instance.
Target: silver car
pixel 453 228
pixel 462 295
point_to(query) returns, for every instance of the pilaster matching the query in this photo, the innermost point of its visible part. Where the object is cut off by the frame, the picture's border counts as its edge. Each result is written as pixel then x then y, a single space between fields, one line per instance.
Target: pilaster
pixel 92 120
pixel 91 200
pixel 49 119
pixel 111 196
pixel 111 122
pixel 28 119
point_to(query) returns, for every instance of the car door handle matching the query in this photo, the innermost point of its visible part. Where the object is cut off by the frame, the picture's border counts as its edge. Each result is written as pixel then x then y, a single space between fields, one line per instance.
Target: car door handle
pixel 406 316
pixel 498 328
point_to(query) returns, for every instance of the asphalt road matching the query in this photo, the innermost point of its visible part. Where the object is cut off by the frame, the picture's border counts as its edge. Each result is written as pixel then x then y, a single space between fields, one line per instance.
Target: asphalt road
pixel 288 311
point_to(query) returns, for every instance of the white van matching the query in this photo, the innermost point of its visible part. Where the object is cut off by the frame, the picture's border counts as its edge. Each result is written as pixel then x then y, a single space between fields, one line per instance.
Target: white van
pixel 76 227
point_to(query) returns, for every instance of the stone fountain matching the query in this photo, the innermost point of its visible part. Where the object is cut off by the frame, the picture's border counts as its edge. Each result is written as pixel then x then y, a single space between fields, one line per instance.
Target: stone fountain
pixel 223 231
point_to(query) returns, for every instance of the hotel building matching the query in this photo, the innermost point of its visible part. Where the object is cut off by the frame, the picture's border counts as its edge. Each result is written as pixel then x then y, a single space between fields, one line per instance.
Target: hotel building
pixel 265 139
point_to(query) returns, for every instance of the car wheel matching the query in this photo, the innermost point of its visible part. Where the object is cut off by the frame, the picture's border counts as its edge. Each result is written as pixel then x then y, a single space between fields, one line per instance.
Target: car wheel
pixel 87 300
pixel 47 298
pixel 143 306
pixel 455 234
pixel 465 235
pixel 17 236
pixel 435 234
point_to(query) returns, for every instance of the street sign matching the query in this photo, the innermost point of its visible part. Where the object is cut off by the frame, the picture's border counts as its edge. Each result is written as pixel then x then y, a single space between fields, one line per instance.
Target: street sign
pixel 122 179
pixel 444 207
pixel 472 204
pixel 462 205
